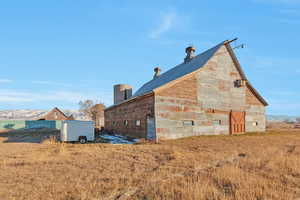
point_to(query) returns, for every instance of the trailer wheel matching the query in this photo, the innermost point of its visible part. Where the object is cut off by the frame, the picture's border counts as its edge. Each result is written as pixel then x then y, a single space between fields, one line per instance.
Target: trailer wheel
pixel 82 139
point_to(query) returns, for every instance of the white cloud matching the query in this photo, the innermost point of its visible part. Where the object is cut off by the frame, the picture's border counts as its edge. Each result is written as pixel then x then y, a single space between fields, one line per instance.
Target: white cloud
pixel 5 81
pixel 51 83
pixel 167 22
pixel 12 96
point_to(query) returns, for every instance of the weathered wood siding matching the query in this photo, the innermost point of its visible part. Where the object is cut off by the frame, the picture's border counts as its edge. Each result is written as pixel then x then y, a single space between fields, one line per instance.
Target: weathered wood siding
pixel 255 113
pixel 177 104
pixel 206 98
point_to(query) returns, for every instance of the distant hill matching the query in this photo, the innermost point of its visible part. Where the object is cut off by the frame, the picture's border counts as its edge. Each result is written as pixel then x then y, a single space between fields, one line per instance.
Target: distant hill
pixel 281 118
pixel 27 114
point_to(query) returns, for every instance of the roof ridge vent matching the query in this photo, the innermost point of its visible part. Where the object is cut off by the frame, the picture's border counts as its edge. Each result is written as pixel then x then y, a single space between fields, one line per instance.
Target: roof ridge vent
pixel 190 50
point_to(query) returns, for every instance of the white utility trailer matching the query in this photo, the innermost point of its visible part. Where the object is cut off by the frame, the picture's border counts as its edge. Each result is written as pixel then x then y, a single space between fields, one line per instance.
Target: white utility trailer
pixel 73 130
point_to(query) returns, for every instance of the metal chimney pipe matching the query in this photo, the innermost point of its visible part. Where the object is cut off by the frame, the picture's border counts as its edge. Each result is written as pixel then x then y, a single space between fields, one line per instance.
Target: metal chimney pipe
pixel 157 71
pixel 190 50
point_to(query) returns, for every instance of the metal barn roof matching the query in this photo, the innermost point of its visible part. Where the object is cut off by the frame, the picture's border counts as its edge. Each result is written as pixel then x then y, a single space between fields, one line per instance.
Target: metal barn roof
pixel 178 71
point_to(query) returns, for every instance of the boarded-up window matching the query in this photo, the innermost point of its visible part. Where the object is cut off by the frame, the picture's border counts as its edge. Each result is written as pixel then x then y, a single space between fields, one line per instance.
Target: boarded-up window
pixel 239 83
pixel 188 123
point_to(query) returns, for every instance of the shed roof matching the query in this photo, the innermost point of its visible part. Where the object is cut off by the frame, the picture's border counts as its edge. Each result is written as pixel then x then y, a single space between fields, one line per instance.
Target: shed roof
pixel 178 71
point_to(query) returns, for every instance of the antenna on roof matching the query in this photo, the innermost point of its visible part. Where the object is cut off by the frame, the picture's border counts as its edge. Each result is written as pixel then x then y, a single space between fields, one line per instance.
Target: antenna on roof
pixel 241 46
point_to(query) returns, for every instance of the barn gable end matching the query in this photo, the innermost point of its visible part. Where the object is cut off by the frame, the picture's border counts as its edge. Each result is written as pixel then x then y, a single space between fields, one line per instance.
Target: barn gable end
pixel 217 95
pixel 55 114
pixel 204 96
pixel 251 99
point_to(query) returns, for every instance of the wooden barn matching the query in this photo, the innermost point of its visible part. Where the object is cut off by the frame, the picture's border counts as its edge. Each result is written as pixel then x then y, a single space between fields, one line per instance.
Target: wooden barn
pixel 207 94
pixel 55 114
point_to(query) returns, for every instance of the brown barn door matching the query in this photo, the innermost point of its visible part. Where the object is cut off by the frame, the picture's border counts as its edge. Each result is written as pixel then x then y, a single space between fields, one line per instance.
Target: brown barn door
pixel 237 122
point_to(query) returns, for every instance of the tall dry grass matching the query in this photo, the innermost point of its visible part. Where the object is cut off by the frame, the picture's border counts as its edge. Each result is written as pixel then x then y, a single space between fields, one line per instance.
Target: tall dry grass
pixel 257 166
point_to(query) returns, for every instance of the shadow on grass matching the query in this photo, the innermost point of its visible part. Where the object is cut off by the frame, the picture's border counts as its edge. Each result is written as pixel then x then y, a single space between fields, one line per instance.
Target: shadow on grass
pixel 27 135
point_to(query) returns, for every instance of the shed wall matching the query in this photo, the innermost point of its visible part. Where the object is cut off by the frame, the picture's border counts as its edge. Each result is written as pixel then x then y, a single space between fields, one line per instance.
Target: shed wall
pixel 29 124
pixel 136 109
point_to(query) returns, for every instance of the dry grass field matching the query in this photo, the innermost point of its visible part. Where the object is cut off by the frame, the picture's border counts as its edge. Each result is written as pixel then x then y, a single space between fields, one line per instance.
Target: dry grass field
pixel 250 167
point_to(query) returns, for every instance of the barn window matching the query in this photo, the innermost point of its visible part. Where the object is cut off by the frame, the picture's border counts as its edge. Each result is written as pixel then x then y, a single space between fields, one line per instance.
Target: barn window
pixel 217 122
pixel 126 95
pixel 138 122
pixel 126 123
pixel 240 83
pixel 255 123
pixel 188 123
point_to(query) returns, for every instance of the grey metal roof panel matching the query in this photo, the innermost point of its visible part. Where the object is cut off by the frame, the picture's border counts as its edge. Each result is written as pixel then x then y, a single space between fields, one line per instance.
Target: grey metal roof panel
pixel 178 71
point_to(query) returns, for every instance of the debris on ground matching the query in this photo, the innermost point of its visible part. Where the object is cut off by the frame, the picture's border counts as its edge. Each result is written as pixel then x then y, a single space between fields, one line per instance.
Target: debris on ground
pixel 117 139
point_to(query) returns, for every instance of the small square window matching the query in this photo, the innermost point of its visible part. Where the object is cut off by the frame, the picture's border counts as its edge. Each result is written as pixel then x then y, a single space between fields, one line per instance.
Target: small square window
pixel 138 122
pixel 188 123
pixel 255 123
pixel 217 122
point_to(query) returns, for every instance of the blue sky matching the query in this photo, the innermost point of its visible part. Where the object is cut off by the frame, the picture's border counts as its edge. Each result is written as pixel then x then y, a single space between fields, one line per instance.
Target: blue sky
pixel 55 53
